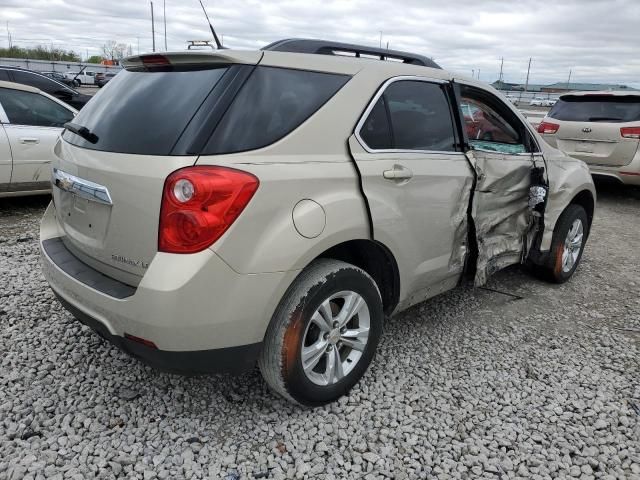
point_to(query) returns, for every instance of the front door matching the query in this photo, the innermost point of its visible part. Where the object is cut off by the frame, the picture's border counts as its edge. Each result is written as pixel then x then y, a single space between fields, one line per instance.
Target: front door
pixel 417 183
pixel 507 162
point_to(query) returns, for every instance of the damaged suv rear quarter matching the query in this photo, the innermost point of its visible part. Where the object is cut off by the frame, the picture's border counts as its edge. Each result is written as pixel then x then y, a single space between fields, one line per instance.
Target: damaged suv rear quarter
pixel 303 199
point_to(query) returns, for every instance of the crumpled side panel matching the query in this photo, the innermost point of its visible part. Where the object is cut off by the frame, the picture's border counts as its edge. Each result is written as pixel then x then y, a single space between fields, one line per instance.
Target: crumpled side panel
pixel 460 222
pixel 501 212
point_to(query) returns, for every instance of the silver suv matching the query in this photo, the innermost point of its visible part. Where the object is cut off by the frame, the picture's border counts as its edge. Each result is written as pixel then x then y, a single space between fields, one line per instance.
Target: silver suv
pixel 216 210
pixel 601 128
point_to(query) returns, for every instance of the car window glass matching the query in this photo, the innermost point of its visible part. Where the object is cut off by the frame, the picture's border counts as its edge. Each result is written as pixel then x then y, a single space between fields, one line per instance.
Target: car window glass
pixel 4 76
pixel 38 81
pixel 272 103
pixel 490 125
pixel 597 108
pixel 376 130
pixel 420 116
pixel 27 108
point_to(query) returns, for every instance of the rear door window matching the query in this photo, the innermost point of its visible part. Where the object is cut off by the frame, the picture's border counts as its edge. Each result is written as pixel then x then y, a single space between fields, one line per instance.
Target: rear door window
pixel 411 115
pixel 144 112
pixel 27 108
pixel 272 103
pixel 597 108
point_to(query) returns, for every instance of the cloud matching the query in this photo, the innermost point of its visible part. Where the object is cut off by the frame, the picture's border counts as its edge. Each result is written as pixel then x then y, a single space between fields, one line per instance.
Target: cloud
pixel 595 39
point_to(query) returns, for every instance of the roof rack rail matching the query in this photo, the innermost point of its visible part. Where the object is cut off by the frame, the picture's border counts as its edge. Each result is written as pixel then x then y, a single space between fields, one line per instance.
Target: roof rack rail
pixel 323 47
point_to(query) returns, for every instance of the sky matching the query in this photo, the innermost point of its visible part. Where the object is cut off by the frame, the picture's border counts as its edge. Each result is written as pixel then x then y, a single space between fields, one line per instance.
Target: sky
pixel 597 40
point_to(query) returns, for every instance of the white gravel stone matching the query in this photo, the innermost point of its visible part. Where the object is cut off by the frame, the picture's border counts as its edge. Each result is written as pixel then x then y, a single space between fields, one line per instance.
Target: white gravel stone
pixel 471 384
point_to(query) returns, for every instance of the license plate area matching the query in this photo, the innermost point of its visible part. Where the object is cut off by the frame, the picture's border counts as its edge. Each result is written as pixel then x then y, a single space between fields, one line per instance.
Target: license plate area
pixel 585 147
pixel 82 219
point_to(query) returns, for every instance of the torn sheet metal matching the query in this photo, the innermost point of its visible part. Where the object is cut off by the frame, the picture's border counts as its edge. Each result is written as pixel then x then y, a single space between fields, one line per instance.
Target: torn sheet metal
pixel 460 223
pixel 500 209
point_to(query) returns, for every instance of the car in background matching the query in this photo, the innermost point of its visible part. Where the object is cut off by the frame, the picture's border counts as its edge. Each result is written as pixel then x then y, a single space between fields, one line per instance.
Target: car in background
pixel 513 99
pixel 541 102
pixel 177 232
pixel 30 125
pixel 102 79
pixel 59 77
pixel 600 128
pixel 46 84
pixel 81 78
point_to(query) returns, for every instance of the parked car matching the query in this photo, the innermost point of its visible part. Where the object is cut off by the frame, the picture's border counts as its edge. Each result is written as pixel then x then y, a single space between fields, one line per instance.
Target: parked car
pixel 102 79
pixel 59 77
pixel 513 99
pixel 48 85
pixel 290 202
pixel 541 102
pixel 81 78
pixel 601 128
pixel 30 124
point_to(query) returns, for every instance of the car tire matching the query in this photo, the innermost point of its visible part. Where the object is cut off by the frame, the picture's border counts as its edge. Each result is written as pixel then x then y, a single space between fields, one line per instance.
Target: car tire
pixel 316 319
pixel 566 251
pixel 76 83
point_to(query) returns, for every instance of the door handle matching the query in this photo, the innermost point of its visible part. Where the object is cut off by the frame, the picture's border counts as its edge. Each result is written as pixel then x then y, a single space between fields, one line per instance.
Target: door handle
pixel 398 172
pixel 29 140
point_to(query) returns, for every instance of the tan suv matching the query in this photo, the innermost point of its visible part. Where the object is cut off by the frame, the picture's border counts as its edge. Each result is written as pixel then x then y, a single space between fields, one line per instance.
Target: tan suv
pixel 601 128
pixel 216 210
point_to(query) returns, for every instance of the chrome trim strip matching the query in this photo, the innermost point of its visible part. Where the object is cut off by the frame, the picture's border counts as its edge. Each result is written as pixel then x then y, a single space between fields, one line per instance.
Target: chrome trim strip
pixel 372 103
pixel 81 188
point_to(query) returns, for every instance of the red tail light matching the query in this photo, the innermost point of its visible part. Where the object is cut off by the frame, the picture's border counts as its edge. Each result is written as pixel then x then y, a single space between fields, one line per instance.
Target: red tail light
pixel 199 204
pixel 548 127
pixel 630 132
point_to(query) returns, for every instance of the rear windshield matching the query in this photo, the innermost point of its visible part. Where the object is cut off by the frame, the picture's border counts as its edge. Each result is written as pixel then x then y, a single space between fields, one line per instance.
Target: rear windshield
pixel 149 113
pixel 597 108
pixel 144 112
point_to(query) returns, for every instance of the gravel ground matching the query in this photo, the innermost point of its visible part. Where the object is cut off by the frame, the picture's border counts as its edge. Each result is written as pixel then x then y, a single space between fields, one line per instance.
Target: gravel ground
pixel 470 384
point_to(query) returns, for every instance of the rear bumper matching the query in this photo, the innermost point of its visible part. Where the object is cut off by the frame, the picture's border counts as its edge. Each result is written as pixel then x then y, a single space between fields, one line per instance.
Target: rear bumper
pixel 628 174
pixel 222 360
pixel 202 316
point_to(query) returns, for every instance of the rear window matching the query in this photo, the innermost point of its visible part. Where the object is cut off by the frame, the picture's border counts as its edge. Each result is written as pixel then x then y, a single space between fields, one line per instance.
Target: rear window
pixel 149 113
pixel 272 103
pixel 144 112
pixel 597 108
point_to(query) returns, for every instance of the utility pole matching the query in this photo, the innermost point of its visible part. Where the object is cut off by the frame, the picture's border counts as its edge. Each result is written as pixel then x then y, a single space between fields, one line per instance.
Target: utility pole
pixel 138 45
pixel 478 74
pixel 473 73
pixel 9 35
pixel 380 38
pixel 526 85
pixel 500 79
pixel 569 80
pixel 153 29
pixel 164 15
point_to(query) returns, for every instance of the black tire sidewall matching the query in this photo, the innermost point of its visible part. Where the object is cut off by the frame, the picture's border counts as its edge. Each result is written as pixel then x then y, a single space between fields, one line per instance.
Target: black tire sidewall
pixel 297 384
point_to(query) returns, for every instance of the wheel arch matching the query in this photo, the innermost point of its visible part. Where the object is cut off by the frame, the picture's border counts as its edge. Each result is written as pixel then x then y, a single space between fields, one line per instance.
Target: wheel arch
pixel 585 199
pixel 375 259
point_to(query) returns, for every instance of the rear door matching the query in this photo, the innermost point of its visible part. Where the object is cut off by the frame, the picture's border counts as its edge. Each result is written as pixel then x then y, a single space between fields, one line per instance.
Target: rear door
pixel 417 182
pixel 34 124
pixel 591 127
pixel 503 154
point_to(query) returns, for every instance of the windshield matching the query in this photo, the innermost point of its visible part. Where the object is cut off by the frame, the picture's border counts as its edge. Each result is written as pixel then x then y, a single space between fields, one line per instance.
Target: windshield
pixel 144 112
pixel 597 108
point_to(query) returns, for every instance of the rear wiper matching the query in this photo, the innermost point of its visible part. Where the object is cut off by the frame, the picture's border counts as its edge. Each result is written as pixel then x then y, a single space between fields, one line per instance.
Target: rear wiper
pixel 600 119
pixel 84 132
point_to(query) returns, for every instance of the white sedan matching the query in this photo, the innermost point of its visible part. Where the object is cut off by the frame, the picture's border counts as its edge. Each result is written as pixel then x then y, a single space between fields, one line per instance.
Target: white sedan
pixel 542 102
pixel 30 123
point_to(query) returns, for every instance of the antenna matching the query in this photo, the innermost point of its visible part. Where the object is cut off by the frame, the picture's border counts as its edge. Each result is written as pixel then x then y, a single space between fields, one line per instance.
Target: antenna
pixel 215 37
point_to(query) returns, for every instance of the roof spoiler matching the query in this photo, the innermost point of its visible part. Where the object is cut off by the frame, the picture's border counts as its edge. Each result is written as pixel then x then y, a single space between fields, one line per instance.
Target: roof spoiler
pixel 323 47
